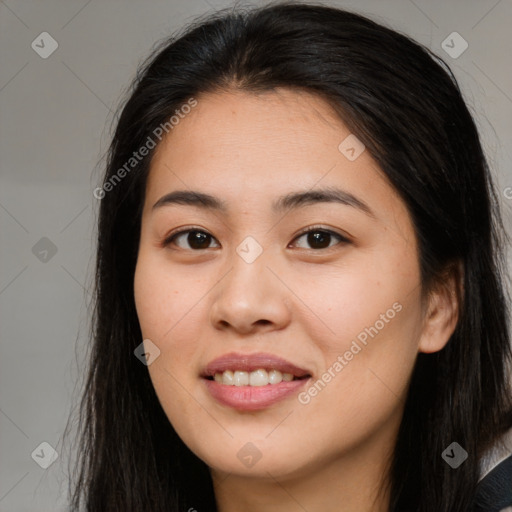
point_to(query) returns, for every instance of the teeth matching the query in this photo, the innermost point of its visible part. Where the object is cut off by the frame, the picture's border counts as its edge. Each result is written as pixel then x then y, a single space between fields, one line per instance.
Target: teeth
pixel 228 378
pixel 275 376
pixel 241 379
pixel 259 377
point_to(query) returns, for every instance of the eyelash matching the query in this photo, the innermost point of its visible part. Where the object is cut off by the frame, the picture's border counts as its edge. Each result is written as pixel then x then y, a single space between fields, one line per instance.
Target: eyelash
pixel 312 229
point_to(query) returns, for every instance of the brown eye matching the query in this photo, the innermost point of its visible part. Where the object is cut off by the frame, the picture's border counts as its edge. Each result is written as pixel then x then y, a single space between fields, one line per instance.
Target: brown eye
pixel 320 238
pixel 196 239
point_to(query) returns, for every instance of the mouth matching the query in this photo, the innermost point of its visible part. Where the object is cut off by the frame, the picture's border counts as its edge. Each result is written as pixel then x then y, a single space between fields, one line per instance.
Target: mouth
pixel 252 382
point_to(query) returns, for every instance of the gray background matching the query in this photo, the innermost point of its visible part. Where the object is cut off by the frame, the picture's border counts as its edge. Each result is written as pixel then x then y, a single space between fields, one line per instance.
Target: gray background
pixel 56 118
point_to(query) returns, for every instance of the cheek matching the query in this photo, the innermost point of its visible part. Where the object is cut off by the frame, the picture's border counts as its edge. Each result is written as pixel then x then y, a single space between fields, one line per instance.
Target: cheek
pixel 167 310
pixel 365 301
pixel 371 323
pixel 152 292
pixel 164 298
pixel 365 378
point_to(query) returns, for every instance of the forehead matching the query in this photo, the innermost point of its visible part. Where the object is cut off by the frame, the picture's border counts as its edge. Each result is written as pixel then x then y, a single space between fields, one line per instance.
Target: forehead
pixel 280 127
pixel 248 147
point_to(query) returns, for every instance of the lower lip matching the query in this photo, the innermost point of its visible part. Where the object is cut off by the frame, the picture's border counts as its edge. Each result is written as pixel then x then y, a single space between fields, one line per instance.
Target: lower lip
pixel 253 398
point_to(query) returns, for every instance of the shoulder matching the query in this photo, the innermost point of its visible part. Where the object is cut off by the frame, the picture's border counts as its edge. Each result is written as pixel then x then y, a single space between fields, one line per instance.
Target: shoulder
pixel 494 490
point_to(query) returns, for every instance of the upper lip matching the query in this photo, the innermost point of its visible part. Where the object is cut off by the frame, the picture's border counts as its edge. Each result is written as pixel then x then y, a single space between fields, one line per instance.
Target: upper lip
pixel 251 362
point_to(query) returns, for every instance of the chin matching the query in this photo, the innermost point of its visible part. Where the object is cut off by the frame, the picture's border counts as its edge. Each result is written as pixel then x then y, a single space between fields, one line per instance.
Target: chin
pixel 257 459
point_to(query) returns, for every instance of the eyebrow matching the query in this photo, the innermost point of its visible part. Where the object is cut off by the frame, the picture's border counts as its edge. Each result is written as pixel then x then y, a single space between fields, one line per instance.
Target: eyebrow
pixel 288 201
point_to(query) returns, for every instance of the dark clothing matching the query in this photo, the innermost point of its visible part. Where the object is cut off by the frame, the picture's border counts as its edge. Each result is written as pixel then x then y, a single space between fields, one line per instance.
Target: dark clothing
pixel 494 491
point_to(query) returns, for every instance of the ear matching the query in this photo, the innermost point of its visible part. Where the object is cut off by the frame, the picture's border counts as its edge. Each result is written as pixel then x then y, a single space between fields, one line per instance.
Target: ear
pixel 442 312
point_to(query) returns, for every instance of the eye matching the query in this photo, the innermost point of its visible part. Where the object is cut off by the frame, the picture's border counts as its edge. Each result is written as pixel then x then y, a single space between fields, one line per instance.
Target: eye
pixel 317 237
pixel 196 238
pixel 320 238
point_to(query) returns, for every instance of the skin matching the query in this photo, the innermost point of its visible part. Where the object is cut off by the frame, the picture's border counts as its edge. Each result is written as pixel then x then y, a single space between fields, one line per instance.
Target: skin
pixel 297 301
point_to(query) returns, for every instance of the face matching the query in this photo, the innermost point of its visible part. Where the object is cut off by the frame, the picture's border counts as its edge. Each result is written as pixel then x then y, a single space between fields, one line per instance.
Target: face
pixel 330 286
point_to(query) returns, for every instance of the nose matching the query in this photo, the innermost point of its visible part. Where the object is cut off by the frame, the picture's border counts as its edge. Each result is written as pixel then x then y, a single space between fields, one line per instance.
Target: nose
pixel 251 298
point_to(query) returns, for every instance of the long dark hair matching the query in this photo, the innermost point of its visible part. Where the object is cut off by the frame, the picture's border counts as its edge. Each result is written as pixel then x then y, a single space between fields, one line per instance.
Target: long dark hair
pixel 404 103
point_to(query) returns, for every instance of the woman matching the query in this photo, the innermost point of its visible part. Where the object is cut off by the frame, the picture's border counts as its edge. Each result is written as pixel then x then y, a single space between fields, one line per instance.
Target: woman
pixel 299 278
